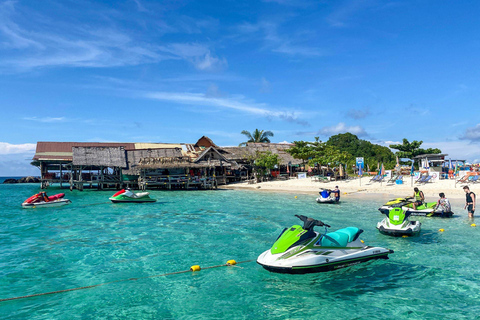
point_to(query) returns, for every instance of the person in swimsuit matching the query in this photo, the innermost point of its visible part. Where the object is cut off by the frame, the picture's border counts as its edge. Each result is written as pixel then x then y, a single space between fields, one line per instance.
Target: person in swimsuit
pixel 470 201
pixel 419 198
pixel 336 191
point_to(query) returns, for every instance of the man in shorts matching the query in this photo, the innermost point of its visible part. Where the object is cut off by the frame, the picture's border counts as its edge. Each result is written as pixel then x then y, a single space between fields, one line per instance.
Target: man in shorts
pixel 470 201
pixel 419 198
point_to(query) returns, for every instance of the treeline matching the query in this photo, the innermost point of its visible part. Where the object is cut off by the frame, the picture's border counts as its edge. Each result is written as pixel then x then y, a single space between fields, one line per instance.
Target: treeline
pixel 343 148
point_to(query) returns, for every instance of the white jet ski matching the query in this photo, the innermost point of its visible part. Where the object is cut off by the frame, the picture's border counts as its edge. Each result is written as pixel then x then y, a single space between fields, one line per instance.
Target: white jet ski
pixel 397 224
pixel 303 250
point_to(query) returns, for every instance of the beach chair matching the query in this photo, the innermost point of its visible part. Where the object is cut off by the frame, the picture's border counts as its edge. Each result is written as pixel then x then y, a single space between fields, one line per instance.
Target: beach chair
pixel 474 179
pixel 420 179
pixel 427 179
pixel 464 179
pixel 380 179
pixel 375 178
pixel 393 178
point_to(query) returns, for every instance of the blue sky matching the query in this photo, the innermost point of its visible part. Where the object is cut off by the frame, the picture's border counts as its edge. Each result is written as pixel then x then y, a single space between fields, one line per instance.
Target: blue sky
pixel 172 71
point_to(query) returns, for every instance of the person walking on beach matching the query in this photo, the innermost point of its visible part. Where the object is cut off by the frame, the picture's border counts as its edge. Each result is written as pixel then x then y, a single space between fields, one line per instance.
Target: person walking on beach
pixel 419 198
pixel 470 201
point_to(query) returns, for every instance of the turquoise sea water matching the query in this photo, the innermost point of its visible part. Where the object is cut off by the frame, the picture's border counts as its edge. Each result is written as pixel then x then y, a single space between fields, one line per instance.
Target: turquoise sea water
pixel 92 241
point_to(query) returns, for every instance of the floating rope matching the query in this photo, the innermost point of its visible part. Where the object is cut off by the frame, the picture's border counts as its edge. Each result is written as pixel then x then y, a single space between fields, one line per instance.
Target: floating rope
pixel 230 263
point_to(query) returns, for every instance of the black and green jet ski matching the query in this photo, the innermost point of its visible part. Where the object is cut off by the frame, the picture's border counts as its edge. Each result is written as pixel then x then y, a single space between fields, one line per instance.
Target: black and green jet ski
pixel 406 204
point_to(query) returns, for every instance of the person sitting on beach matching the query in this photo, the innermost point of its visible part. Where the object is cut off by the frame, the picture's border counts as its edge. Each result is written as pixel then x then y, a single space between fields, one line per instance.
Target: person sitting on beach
pixel 336 191
pixel 419 198
pixel 470 201
pixel 443 203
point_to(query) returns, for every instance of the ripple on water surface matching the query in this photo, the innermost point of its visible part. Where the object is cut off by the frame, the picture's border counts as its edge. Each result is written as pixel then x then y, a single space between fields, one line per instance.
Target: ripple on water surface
pixel 93 241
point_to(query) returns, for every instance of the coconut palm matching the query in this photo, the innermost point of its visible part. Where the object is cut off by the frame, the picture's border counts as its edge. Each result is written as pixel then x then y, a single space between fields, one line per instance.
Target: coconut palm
pixel 257 136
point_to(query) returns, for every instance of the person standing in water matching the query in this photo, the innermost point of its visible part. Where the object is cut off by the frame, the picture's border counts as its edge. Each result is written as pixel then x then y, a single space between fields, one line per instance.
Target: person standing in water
pixel 419 198
pixel 469 201
pixel 443 204
pixel 336 192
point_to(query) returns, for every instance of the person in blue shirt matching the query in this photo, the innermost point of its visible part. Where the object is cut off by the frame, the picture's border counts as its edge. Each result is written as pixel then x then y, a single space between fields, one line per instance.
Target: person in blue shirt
pixel 336 191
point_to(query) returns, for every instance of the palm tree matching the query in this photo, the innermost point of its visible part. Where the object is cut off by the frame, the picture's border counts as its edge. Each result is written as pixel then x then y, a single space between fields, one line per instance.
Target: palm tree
pixel 258 136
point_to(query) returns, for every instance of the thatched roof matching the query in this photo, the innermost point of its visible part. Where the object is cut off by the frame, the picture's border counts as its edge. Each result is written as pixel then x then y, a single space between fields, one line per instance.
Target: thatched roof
pixel 241 154
pixel 138 158
pixel 99 156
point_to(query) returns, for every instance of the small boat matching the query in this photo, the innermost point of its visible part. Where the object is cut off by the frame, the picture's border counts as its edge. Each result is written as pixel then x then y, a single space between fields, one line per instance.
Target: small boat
pixel 327 196
pixel 426 209
pixel 397 224
pixel 303 250
pixel 41 200
pixel 129 196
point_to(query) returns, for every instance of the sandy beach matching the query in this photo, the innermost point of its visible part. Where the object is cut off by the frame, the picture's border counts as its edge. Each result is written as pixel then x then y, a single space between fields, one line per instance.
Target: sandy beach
pixel 363 188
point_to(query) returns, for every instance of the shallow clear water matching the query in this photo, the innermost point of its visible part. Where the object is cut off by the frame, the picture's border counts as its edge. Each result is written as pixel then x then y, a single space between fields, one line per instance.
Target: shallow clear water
pixel 93 241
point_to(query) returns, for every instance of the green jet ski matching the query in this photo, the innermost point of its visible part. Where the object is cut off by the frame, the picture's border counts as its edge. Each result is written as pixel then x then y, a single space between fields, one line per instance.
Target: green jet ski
pixel 303 250
pixel 129 196
pixel 406 204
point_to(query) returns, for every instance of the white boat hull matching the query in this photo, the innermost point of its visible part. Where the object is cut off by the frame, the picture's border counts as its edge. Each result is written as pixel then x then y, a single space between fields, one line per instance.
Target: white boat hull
pixel 43 204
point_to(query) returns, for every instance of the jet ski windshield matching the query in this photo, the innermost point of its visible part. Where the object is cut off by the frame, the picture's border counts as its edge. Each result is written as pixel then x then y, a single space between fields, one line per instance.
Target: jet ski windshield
pixel 309 223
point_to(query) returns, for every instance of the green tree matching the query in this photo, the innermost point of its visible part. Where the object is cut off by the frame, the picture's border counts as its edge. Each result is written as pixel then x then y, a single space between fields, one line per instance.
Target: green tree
pixel 257 136
pixel 372 153
pixel 318 152
pixel 412 149
pixel 265 161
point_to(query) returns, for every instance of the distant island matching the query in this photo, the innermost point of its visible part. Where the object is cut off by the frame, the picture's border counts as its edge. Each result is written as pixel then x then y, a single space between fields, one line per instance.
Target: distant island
pixel 28 179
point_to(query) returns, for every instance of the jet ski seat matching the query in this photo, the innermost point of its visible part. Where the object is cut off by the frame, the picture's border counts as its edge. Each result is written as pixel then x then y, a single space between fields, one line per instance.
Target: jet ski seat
pixel 340 238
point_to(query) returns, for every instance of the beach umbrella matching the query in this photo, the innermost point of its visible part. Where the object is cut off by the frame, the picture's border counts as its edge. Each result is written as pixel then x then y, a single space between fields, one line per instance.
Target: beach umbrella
pixel 378 167
pixel 427 166
pixel 368 167
pixel 360 171
pixel 340 170
pixel 450 166
pixel 413 169
pixel 382 170
pixel 398 162
pixel 456 168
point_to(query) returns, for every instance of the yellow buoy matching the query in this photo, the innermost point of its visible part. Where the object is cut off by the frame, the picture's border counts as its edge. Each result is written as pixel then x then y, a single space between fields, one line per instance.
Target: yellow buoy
pixel 362 241
pixel 404 236
pixel 473 225
pixel 295 197
pixel 441 230
pixel 231 262
pixel 195 268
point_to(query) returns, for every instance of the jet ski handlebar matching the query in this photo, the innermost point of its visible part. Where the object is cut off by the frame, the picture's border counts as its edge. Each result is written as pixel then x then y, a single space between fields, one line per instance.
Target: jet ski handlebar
pixel 309 223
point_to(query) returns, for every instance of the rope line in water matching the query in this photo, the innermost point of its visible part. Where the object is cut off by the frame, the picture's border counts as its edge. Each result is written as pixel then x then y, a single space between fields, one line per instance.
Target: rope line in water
pixel 123 280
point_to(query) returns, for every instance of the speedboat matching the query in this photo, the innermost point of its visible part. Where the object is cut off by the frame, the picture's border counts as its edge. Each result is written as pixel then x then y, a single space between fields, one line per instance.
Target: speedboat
pixel 397 224
pixel 303 250
pixel 426 209
pixel 39 201
pixel 129 196
pixel 326 196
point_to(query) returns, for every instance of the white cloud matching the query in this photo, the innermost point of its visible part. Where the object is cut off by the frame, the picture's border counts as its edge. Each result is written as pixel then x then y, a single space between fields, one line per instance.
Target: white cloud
pixel 45 119
pixel 62 43
pixel 234 103
pixel 472 134
pixel 342 128
pixel 8 148
pixel 459 150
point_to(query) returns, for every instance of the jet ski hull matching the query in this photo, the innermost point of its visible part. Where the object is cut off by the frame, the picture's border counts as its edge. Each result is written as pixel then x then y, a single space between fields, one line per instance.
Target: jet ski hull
pixel 422 212
pixel 411 229
pixel 43 204
pixel 326 200
pixel 326 265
